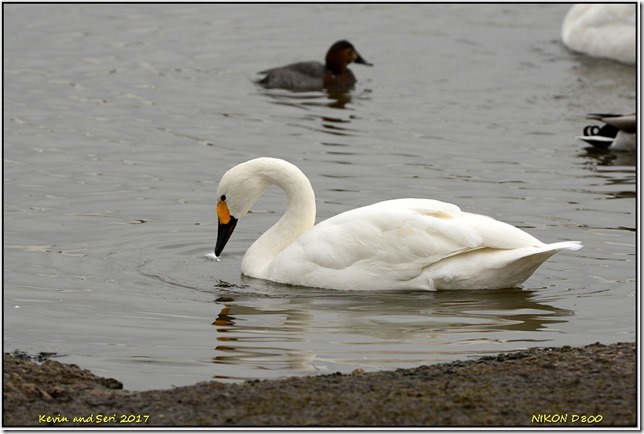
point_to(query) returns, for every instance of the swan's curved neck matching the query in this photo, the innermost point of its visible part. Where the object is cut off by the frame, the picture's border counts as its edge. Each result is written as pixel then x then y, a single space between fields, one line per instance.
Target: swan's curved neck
pixel 298 218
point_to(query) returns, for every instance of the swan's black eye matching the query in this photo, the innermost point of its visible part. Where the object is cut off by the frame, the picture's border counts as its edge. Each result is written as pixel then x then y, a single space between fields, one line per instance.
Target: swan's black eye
pixel 223 197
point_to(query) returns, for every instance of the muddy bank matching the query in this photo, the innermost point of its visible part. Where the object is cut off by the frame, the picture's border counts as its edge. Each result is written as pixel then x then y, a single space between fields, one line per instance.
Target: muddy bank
pixel 589 386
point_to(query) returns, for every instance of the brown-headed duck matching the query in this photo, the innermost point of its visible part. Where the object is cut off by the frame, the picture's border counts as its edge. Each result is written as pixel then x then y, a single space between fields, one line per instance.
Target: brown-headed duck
pixel 618 132
pixel 313 75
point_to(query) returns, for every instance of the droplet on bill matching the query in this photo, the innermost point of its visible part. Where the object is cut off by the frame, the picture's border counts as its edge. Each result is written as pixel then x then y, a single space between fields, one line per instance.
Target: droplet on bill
pixel 212 256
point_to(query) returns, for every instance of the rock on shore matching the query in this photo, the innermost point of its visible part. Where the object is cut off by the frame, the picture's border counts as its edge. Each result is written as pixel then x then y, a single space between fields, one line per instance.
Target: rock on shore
pixel 590 386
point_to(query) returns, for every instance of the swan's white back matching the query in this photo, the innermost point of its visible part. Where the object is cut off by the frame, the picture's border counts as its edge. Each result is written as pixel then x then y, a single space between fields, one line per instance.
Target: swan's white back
pixel 601 30
pixel 395 244
pixel 411 244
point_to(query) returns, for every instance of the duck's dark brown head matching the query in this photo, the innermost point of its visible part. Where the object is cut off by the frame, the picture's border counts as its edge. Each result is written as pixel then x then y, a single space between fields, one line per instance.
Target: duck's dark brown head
pixel 340 55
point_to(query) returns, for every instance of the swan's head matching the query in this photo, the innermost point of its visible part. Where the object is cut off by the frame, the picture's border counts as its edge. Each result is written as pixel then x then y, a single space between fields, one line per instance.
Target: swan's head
pixel 238 190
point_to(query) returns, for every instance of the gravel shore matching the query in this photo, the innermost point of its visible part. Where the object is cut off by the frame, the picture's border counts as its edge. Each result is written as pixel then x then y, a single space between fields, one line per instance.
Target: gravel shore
pixel 589 386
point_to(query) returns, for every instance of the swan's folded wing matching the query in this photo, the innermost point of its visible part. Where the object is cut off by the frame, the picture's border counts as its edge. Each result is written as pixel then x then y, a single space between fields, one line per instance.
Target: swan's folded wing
pixel 396 238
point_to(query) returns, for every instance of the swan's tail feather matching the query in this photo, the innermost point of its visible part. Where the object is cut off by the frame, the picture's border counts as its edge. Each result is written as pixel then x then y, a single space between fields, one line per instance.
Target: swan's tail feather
pixel 565 245
pixel 493 268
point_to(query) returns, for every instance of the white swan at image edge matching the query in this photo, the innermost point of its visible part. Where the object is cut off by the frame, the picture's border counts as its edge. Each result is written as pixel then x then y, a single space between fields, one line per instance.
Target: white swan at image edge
pixel 601 30
pixel 395 244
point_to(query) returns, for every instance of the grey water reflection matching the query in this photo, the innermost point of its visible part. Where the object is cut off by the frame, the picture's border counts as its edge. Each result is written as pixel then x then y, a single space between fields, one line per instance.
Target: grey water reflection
pixel 333 99
pixel 606 157
pixel 121 119
pixel 316 105
pixel 305 100
pixel 266 326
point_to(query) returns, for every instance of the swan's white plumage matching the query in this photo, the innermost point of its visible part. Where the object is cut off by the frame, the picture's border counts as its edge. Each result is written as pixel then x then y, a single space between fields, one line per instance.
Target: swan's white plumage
pixel 395 244
pixel 601 30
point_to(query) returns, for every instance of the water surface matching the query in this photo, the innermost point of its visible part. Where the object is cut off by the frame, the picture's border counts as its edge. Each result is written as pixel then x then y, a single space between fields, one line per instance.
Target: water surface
pixel 120 119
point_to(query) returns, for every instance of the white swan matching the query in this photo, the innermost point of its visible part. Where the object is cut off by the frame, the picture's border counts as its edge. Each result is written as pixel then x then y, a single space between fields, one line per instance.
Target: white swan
pixel 396 244
pixel 619 132
pixel 601 30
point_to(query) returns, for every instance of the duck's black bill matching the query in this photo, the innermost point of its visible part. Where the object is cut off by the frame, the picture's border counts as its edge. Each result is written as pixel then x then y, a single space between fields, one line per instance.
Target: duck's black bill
pixel 361 60
pixel 224 231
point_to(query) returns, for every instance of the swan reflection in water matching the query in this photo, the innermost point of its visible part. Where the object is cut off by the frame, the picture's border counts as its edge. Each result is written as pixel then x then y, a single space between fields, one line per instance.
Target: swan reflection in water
pixel 276 330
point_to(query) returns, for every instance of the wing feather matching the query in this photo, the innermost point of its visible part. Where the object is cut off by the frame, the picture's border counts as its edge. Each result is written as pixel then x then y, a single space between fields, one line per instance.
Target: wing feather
pixel 398 238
